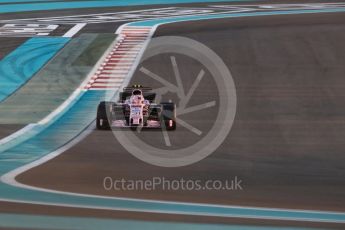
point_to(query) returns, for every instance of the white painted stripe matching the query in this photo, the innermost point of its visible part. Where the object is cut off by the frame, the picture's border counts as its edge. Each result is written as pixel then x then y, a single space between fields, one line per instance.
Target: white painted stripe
pixel 117 69
pixel 125 52
pixel 138 37
pixel 61 108
pixel 117 76
pixel 127 46
pixel 137 28
pixel 119 64
pixel 115 73
pixel 135 32
pixel 131 42
pixel 140 27
pixel 122 46
pixel 74 30
pixel 17 137
pixel 109 79
pixel 127 49
pixel 134 40
pixel 132 28
pixel 111 89
pixel 107 69
pixel 16 134
pixel 116 60
pixel 112 80
pixel 107 84
pixel 114 68
pixel 112 75
pixel 120 57
pixel 132 48
pixel 128 43
pixel 124 59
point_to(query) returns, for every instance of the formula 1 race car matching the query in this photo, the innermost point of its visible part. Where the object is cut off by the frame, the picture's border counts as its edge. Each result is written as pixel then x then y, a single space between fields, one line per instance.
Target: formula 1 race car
pixel 136 108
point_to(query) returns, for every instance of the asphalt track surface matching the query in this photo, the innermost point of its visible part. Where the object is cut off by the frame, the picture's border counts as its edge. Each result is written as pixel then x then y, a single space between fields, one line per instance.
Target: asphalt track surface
pixel 286 143
pixel 277 146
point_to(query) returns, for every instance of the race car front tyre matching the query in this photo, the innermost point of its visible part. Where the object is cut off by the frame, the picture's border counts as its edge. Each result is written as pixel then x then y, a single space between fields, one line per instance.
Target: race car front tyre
pixel 168 116
pixel 102 121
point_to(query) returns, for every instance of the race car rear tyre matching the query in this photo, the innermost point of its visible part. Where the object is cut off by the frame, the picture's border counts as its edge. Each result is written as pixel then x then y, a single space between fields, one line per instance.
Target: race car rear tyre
pixel 102 121
pixel 168 116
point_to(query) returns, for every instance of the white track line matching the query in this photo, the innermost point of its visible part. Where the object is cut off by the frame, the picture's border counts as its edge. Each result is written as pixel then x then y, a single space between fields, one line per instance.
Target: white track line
pixel 74 30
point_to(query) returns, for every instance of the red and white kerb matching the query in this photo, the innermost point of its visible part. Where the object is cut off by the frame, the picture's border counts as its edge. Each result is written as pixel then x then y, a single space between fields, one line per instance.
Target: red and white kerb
pixel 120 60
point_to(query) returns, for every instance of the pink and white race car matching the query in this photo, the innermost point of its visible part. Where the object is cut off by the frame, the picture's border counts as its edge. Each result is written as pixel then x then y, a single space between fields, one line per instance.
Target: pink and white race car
pixel 136 108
